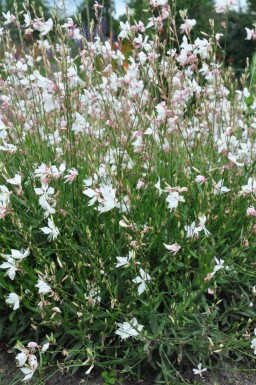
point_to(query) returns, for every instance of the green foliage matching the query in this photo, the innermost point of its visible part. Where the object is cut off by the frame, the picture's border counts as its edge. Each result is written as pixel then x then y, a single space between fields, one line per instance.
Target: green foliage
pixel 104 21
pixel 109 377
pixel 237 22
pixel 188 311
pixel 36 7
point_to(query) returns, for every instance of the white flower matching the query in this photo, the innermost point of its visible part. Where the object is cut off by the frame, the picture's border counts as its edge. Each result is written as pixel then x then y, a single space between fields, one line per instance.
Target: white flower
pixel 253 343
pixel 45 347
pixel 44 190
pixel 22 357
pixel 27 19
pixel 124 261
pixel 173 248
pixel 224 5
pixel 52 230
pixel 250 187
pixel 43 27
pixel 202 227
pixel 94 195
pixel 16 180
pixel 109 198
pixel 250 34
pixel 13 299
pixel 43 287
pixel 93 295
pixel 219 188
pixel 32 362
pixel 157 3
pixel 10 265
pixel 219 265
pixel 8 18
pixel 28 373
pixel 158 187
pixel 199 370
pixel 187 26
pixel 192 230
pixel 144 277
pixel 125 29
pixel 8 147
pixel 173 200
pixel 46 206
pixel 128 329
pixel 16 254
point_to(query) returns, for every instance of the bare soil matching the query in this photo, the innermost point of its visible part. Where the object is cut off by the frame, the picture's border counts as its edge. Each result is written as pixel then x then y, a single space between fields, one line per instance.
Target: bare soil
pixel 11 375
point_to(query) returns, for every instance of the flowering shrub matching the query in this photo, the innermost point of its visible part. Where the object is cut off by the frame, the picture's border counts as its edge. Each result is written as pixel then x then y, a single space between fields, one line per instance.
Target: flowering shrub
pixel 127 197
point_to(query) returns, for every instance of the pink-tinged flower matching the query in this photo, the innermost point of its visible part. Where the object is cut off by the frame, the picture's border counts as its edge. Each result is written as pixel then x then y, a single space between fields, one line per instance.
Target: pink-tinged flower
pixel 223 6
pixel 97 7
pixel 73 173
pixel 210 291
pixel 250 187
pixel 173 248
pixel 43 26
pixel 140 184
pixel 187 26
pixel 69 24
pixel 32 345
pixel 251 211
pixel 217 38
pixel 251 34
pixel 209 276
pixel 162 111
pixel 200 179
pixel 9 18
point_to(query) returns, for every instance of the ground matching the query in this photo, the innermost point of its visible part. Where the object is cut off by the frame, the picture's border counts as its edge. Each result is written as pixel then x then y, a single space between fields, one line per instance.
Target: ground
pixel 9 376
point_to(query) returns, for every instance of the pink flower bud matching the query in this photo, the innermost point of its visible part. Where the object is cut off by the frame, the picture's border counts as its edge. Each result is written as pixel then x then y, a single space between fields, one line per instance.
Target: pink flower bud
pixel 251 211
pixel 32 345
